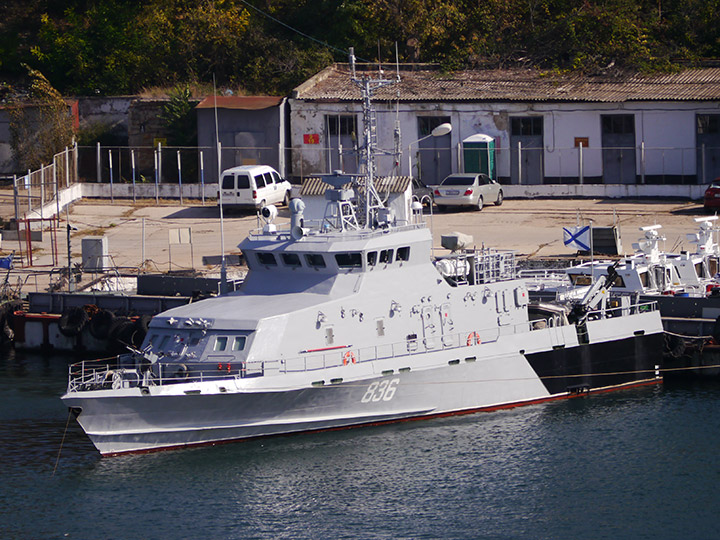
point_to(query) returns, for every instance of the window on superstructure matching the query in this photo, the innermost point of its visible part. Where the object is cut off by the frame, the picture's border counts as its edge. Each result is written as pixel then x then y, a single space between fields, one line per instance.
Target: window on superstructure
pixel 220 343
pixel 238 343
pixel 643 279
pixel 349 260
pixel 267 259
pixel 372 258
pixel 315 260
pixel 580 279
pixel 403 253
pixel 291 259
pixel 386 256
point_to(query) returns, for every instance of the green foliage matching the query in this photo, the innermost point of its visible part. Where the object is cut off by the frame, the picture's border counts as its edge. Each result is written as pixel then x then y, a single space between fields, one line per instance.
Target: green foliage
pixel 179 118
pixel 123 46
pixel 41 126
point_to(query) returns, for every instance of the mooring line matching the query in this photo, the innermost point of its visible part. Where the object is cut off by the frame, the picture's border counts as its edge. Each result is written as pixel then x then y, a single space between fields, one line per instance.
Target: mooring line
pixel 62 441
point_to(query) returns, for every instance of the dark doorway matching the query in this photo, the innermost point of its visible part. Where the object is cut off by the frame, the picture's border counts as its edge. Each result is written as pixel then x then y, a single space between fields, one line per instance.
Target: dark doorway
pixel 434 159
pixel 618 148
pixel 526 150
pixel 708 147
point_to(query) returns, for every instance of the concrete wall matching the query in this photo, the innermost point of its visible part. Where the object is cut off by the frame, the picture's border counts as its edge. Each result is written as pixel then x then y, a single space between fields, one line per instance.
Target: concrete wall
pixel 7 162
pixel 109 114
pixel 248 137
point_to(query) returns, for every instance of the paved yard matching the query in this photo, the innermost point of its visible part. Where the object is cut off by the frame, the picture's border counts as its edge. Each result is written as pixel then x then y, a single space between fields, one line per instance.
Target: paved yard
pixel 531 227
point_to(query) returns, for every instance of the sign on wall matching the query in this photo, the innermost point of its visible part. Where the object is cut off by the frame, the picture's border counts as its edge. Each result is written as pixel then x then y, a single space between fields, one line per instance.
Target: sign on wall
pixel 311 138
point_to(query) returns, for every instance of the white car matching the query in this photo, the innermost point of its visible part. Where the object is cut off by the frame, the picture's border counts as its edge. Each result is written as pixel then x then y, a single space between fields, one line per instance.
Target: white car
pixel 253 186
pixel 469 189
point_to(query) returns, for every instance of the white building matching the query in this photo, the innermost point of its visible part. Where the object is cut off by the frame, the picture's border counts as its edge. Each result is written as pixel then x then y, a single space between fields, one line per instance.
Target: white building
pixel 548 129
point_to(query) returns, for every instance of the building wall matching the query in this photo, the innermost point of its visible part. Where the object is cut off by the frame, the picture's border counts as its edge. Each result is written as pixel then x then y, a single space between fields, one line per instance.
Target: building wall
pixel 665 135
pixel 247 137
pixel 7 163
pixel 108 116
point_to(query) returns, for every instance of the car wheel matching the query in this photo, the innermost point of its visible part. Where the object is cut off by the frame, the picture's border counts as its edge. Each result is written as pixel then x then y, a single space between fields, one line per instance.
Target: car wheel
pixel 499 199
pixel 286 200
pixel 480 203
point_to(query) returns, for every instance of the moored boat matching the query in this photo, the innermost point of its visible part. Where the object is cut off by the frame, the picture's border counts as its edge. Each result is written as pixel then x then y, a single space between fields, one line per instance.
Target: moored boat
pixel 349 321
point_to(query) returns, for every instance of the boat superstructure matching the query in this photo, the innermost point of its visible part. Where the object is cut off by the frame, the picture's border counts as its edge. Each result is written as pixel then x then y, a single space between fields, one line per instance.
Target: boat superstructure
pixel 348 320
pixel 649 271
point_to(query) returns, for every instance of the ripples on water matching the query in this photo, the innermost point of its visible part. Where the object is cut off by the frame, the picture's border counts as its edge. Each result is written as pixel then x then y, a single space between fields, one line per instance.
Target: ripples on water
pixel 633 464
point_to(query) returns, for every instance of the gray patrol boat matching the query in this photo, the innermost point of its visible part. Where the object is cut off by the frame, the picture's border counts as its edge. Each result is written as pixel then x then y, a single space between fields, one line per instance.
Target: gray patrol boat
pixel 351 321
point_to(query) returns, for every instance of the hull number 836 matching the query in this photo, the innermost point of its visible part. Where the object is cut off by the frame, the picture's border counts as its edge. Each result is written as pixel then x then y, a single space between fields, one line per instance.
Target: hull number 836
pixel 381 391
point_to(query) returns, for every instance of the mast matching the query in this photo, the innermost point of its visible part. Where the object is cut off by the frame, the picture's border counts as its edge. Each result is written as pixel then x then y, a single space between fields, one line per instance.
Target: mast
pixel 368 199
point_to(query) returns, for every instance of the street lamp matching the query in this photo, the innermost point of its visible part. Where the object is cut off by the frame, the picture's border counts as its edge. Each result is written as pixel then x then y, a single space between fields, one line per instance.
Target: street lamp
pixel 439 131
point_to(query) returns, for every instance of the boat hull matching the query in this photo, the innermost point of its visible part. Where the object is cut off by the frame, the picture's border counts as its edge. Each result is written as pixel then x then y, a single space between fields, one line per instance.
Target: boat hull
pixel 136 422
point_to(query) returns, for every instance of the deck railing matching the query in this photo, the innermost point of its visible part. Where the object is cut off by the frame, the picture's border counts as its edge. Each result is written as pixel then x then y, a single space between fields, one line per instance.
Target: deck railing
pixel 130 370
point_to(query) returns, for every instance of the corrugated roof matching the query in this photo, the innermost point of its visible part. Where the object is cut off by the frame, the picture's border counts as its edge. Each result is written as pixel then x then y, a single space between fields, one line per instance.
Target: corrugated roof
pixel 314 185
pixel 333 84
pixel 247 103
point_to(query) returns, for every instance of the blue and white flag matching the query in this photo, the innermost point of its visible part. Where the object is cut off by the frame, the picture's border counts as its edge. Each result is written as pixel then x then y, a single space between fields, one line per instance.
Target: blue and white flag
pixel 6 262
pixel 577 237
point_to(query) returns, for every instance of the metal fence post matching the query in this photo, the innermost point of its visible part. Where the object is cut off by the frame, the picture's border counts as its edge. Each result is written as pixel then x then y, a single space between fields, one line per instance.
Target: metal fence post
pixel 132 165
pixel 202 178
pixel 179 177
pixel 642 162
pixel 519 162
pixel 110 164
pixel 15 197
pixel 157 195
pixel 98 164
pixel 42 189
pixel 580 163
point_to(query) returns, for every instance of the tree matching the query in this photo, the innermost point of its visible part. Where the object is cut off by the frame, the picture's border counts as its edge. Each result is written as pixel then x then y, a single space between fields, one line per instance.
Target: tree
pixel 41 126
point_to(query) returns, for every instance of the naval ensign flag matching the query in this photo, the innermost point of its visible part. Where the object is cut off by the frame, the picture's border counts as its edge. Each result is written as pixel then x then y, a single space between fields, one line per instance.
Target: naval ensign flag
pixel 577 237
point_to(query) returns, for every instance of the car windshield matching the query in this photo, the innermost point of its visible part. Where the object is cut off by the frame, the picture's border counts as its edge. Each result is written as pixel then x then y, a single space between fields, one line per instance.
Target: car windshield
pixel 458 181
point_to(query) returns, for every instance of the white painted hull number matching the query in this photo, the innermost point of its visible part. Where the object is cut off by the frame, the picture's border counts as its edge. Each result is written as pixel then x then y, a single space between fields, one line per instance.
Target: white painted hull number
pixel 381 391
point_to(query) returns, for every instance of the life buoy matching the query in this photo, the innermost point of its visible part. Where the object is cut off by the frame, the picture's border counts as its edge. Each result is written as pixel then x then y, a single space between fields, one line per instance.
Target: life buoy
pixel 473 339
pixel 182 372
pixel 349 358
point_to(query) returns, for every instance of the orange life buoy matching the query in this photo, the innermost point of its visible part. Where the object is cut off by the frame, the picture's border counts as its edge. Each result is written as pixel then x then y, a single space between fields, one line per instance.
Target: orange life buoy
pixel 473 339
pixel 348 358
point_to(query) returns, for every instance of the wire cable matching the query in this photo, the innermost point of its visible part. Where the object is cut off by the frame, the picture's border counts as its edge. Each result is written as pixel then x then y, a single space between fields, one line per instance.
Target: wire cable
pixel 323 43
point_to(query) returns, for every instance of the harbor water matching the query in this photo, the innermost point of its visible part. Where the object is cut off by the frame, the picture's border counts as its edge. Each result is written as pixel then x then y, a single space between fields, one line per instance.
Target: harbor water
pixel 639 463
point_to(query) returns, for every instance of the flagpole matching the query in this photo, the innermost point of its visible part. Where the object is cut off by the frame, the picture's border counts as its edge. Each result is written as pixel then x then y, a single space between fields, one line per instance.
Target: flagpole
pixel 592 253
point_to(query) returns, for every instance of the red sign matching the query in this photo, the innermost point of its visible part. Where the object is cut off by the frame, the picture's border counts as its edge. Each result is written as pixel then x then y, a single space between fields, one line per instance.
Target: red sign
pixel 311 138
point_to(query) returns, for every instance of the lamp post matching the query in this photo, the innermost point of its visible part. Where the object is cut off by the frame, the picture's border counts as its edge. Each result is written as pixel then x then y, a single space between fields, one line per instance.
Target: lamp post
pixel 439 131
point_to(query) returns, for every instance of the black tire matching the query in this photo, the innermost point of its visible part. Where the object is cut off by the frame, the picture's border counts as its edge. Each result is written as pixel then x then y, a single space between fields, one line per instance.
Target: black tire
pixel 123 331
pixel 479 203
pixel 101 323
pixel 72 321
pixel 499 199
pixel 141 329
pixel 286 200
